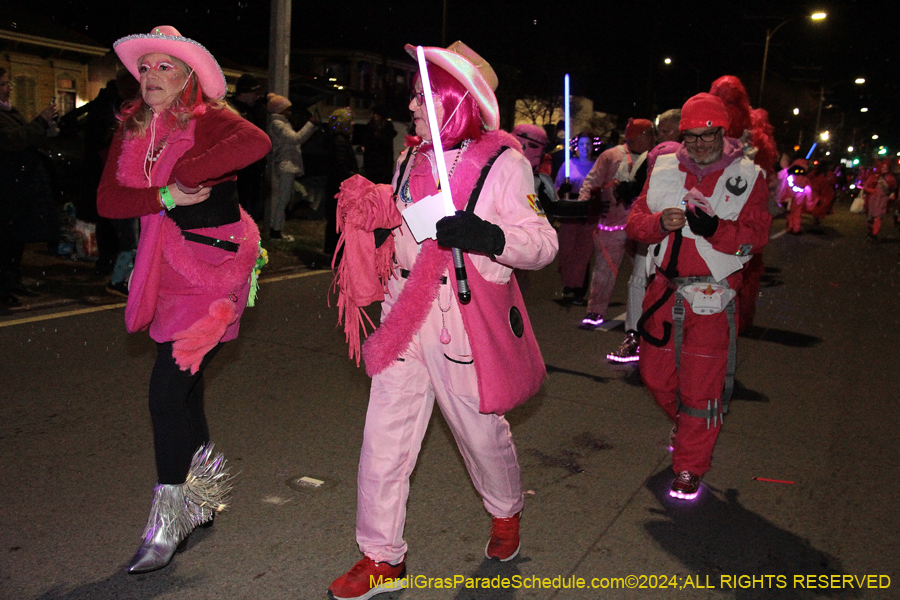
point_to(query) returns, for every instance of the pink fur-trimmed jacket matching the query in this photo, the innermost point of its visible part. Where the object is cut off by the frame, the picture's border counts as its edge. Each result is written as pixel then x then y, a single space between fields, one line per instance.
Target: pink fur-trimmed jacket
pixel 175 282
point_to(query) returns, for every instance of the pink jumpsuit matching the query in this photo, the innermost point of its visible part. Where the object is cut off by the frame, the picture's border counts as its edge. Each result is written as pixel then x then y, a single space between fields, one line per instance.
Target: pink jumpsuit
pixel 402 396
pixel 609 234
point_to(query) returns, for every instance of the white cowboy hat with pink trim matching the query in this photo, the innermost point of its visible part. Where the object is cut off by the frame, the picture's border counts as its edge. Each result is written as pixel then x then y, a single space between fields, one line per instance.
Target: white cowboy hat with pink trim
pixel 475 73
pixel 165 39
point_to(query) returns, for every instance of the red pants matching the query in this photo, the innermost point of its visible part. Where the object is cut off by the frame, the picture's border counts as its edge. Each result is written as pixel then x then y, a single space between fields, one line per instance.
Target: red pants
pixel 795 216
pixel 699 380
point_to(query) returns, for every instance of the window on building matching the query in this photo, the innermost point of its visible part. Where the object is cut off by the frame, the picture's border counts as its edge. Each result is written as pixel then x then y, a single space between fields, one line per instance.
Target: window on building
pixel 65 95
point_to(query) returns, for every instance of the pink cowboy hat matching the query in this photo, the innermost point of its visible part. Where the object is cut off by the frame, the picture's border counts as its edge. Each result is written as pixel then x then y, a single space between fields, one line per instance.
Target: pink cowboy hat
pixel 165 39
pixel 475 73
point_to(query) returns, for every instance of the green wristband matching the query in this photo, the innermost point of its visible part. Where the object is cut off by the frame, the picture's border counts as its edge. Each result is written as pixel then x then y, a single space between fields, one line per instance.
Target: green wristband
pixel 166 199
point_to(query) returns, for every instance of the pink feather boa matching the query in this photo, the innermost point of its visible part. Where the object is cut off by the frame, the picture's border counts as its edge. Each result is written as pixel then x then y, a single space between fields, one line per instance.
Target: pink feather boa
pixel 390 341
pixel 192 344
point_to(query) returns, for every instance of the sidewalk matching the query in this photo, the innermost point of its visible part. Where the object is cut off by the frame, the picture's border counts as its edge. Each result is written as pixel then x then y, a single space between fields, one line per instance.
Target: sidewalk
pixel 61 281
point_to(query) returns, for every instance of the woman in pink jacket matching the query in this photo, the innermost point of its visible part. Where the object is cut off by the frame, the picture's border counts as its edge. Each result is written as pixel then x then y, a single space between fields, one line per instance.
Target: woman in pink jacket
pixel 172 164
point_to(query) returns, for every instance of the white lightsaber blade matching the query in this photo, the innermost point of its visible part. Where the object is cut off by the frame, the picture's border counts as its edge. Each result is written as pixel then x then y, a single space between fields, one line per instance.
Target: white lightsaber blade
pixel 568 136
pixel 434 126
pixel 462 280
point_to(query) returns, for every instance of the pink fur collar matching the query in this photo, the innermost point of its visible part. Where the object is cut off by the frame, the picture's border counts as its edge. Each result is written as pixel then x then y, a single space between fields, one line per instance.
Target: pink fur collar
pixel 130 169
pixel 390 341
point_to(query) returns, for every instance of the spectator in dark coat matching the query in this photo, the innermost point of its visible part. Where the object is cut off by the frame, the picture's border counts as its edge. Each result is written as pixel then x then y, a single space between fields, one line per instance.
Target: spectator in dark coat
pixel 341 165
pixel 24 189
pixel 378 147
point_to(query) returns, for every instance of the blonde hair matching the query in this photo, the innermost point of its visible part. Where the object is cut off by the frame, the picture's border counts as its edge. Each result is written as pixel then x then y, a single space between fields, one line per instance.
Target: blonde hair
pixel 137 114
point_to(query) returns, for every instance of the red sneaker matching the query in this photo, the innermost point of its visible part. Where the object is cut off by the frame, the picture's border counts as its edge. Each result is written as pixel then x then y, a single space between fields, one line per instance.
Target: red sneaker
pixel 504 542
pixel 368 578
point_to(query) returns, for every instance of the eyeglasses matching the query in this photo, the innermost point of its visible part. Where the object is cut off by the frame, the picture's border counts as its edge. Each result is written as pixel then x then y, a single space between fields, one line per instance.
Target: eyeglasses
pixel 709 136
pixel 419 97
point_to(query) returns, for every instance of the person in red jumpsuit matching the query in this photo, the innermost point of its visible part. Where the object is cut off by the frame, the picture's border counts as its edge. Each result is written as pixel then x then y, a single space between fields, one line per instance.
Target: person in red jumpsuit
pixel 880 188
pixel 704 213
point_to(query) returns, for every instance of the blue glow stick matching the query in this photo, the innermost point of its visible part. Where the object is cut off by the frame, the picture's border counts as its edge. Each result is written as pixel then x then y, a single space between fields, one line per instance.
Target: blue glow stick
pixel 811 150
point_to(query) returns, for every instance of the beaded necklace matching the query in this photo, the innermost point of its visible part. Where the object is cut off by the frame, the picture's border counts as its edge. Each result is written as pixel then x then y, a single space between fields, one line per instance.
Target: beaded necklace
pixel 405 195
pixel 154 149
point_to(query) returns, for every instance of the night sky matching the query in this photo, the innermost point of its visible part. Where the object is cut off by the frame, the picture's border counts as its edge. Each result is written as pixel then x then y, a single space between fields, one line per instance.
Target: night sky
pixel 613 51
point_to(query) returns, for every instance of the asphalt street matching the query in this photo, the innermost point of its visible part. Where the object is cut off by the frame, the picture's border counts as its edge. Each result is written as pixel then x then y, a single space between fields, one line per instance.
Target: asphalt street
pixel 815 406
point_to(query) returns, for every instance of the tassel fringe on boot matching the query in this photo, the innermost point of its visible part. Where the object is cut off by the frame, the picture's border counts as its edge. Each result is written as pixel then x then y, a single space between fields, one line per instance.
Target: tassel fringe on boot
pixel 178 509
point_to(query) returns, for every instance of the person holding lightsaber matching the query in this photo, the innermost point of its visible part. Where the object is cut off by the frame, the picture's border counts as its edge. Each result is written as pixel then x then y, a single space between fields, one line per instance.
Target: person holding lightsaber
pixel 431 346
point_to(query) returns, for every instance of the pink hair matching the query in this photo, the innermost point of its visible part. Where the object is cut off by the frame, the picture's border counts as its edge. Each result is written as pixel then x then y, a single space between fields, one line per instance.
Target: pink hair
pixel 730 89
pixel 763 139
pixel 732 92
pixel 463 124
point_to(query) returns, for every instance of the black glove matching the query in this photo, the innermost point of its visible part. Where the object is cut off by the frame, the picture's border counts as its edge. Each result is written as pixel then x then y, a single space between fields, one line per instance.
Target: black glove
pixel 701 223
pixel 470 233
pixel 599 204
pixel 564 189
pixel 626 191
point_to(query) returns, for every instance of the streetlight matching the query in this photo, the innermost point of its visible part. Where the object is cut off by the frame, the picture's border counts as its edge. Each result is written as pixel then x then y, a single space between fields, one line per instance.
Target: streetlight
pixel 816 16
pixel 668 61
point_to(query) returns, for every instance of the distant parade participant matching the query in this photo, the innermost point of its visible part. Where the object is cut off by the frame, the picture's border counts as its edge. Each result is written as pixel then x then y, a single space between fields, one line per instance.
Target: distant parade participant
pixel 751 127
pixel 534 144
pixel 476 360
pixel 576 231
pixel 173 163
pixel 629 350
pixel 880 187
pixel 796 194
pixel 614 182
pixel 704 213
pixel 824 185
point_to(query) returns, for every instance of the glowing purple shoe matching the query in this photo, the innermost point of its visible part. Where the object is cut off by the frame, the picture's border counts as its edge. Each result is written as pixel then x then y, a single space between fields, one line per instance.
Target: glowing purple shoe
pixel 685 486
pixel 591 321
pixel 628 351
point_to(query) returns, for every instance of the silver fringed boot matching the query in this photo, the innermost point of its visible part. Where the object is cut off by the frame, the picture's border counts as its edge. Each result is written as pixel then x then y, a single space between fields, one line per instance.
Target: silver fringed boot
pixel 178 509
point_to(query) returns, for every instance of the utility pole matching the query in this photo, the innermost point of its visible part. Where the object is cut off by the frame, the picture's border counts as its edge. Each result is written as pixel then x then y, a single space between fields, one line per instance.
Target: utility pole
pixel 279 71
pixel 280 47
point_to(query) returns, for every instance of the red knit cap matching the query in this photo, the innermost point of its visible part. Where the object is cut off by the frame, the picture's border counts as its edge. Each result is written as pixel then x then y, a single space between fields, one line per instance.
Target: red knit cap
pixel 704 110
pixel 636 127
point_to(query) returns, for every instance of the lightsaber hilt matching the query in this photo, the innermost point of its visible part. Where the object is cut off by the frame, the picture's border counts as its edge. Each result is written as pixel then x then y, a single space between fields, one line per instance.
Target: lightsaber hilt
pixel 464 295
pixel 569 194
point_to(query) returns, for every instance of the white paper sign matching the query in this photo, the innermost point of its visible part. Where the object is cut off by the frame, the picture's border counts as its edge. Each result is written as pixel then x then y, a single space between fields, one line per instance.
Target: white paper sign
pixel 421 217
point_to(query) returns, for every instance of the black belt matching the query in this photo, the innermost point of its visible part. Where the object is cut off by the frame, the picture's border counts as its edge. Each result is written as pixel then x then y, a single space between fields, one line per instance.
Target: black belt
pixel 405 275
pixel 210 241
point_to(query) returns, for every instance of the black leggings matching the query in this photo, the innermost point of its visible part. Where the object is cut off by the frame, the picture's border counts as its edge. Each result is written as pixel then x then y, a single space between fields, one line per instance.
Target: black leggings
pixel 176 409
